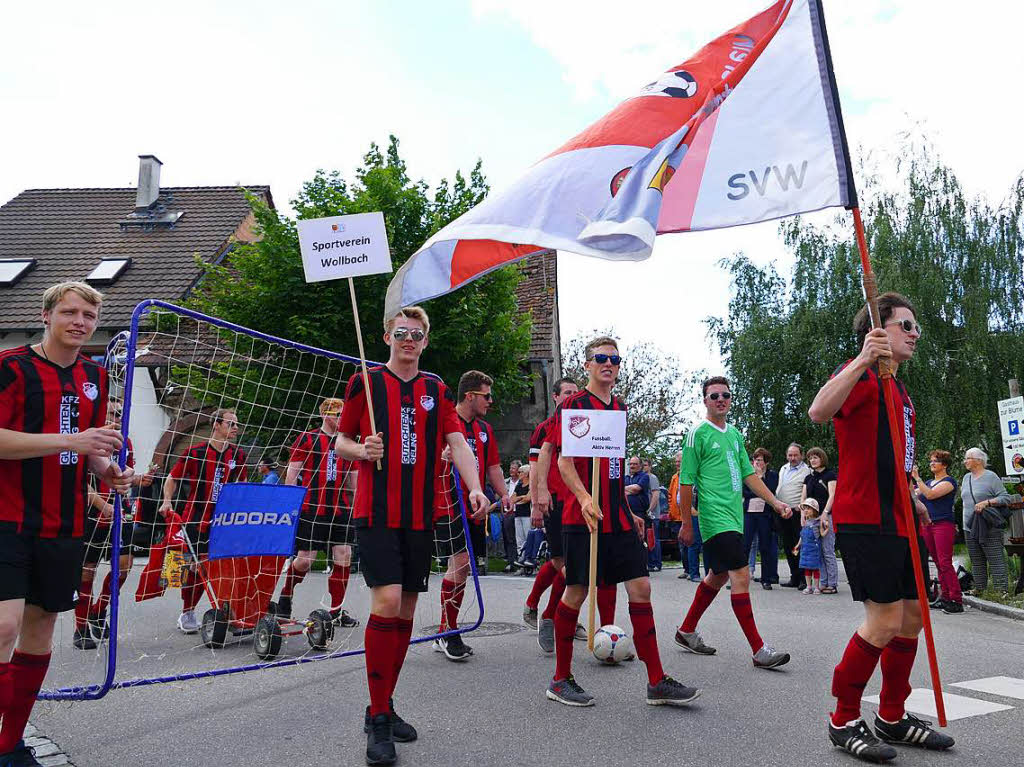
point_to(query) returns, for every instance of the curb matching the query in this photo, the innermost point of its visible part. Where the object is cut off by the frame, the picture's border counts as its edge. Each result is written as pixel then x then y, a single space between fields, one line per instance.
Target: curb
pixel 994 607
pixel 48 753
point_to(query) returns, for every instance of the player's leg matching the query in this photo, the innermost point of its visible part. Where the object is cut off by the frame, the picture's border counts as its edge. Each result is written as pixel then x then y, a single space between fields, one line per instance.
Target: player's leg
pixel 82 639
pixel 337 584
pixel 718 555
pixel 451 541
pixel 307 543
pixel 563 687
pixel 98 611
pixel 763 655
pixel 192 589
pixel 546 624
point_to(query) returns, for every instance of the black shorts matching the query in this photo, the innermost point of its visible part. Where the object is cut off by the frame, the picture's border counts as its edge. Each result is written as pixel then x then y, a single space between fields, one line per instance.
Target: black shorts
pixel 553 529
pixel 621 557
pixel 725 552
pixel 323 533
pixel 97 541
pixel 879 567
pixel 389 556
pixel 45 572
pixel 451 537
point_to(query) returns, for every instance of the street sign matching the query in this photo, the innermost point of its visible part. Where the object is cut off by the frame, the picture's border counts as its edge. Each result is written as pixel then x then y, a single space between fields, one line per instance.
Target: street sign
pixel 1011 425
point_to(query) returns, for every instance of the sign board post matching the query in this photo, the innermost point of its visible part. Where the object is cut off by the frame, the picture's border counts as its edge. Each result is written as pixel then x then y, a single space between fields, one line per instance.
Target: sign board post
pixel 594 434
pixel 1011 426
pixel 339 247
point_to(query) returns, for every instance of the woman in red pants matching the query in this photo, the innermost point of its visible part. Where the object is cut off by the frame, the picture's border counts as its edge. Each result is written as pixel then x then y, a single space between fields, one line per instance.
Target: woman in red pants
pixel 938 495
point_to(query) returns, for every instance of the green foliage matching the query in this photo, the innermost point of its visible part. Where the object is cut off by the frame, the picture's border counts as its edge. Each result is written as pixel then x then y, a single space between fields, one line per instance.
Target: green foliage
pixel 661 397
pixel 961 263
pixel 261 285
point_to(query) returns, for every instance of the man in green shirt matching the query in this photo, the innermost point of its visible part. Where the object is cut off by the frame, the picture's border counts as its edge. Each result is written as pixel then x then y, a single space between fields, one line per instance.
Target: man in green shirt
pixel 715 462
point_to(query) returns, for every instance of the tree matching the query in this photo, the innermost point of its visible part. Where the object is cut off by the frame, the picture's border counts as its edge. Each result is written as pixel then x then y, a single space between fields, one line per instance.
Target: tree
pixel 261 285
pixel 662 398
pixel 960 261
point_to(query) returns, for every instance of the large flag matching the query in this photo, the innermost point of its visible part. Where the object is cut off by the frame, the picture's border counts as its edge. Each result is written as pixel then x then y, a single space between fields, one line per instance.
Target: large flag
pixel 747 130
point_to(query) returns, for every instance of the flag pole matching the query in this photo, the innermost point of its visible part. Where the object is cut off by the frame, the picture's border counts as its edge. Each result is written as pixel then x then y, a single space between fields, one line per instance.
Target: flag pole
pixel 362 360
pixel 595 491
pixel 885 372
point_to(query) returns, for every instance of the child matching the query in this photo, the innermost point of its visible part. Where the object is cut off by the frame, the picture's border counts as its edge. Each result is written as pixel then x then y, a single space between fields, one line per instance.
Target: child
pixel 809 546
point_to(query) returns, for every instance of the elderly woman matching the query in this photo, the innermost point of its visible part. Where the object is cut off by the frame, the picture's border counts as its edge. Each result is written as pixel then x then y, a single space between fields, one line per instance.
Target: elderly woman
pixel 938 495
pixel 982 489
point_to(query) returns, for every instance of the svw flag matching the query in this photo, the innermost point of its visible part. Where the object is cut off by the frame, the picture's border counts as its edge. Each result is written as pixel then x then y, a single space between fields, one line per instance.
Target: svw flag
pixel 749 129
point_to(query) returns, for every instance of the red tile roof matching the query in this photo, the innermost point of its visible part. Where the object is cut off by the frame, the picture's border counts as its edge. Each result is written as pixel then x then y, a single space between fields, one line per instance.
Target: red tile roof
pixel 538 293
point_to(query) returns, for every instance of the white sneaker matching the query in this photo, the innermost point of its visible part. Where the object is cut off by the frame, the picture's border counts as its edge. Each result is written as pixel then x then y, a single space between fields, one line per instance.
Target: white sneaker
pixel 808 590
pixel 187 622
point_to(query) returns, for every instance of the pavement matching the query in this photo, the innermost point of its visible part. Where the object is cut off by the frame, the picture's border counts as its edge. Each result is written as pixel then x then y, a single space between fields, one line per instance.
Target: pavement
pixel 492 710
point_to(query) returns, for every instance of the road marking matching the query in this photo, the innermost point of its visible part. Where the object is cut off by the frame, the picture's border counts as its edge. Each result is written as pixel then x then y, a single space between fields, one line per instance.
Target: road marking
pixel 921 701
pixel 1003 686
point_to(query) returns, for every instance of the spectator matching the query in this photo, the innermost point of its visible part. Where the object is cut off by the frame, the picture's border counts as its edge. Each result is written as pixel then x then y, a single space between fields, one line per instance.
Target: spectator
pixel 638 496
pixel 982 491
pixel 508 537
pixel 758 522
pixel 653 520
pixel 820 485
pixel 790 492
pixel 809 547
pixel 938 495
pixel 521 502
pixel 513 476
pixel 655 489
pixel 690 555
pixel 675 514
pixel 267 472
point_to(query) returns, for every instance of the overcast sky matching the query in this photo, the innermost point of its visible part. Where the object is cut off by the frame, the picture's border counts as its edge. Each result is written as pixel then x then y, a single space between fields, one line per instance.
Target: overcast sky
pixel 265 93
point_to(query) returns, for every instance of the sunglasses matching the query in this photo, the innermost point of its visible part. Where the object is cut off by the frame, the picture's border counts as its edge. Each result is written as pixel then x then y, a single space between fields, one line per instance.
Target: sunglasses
pixel 907 325
pixel 600 359
pixel 488 396
pixel 400 334
pixel 714 396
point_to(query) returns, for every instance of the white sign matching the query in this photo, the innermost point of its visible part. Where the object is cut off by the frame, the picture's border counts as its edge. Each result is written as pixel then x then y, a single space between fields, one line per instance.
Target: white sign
pixel 599 433
pixel 344 246
pixel 1011 424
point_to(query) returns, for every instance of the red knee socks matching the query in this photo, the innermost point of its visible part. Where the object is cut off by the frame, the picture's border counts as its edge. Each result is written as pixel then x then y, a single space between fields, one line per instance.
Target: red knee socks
pixel 851 677
pixel 25 675
pixel 565 631
pixel 291 579
pixel 403 633
pixel 897 662
pixel 380 640
pixel 606 604
pixel 701 600
pixel 645 639
pixel 557 589
pixel 82 606
pixel 545 576
pixel 191 594
pixel 99 607
pixel 337 584
pixel 745 615
pixel 451 601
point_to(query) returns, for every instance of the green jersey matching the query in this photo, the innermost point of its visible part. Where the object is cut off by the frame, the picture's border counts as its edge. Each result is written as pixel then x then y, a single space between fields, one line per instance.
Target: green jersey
pixel 716 462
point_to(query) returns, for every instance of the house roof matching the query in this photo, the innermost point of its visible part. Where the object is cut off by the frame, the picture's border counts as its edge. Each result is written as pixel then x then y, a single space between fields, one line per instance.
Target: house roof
pixel 68 232
pixel 537 293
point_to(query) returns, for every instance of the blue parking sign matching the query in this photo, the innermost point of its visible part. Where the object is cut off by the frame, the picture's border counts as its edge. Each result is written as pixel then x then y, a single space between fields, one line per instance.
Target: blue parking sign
pixel 1014 428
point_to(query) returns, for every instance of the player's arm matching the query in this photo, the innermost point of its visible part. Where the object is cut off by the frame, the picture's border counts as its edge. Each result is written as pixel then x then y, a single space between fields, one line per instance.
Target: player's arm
pixel 370 449
pixel 760 489
pixel 591 513
pixel 166 502
pixel 291 475
pixel 833 394
pixel 497 481
pixel 541 495
pixel 685 495
pixel 465 462
pixel 19 445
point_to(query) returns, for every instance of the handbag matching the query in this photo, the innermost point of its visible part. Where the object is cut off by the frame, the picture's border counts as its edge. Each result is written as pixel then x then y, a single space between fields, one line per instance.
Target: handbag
pixel 993 518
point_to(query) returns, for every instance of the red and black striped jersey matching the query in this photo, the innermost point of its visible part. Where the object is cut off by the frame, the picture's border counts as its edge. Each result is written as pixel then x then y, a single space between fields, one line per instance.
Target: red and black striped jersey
pixel 104 490
pixel 617 516
pixel 480 438
pixel 414 416
pixel 208 470
pixel 544 433
pixel 48 496
pixel 324 473
pixel 866 491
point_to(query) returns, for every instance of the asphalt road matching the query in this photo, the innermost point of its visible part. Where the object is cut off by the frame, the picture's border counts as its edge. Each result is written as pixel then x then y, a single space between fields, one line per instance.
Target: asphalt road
pixel 492 710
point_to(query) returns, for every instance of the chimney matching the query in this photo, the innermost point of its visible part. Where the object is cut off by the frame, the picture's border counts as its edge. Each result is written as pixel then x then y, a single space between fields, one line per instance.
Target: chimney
pixel 149 183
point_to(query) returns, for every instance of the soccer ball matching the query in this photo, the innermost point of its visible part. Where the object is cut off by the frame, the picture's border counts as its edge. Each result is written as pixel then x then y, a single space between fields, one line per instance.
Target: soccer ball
pixel 612 645
pixel 679 84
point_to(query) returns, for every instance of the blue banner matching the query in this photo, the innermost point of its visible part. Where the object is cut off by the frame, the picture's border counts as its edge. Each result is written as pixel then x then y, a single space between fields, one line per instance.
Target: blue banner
pixel 255 520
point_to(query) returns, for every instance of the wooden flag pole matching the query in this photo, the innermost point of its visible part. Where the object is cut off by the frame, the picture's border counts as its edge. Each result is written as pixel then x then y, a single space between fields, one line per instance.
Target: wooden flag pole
pixel 595 493
pixel 885 371
pixel 362 360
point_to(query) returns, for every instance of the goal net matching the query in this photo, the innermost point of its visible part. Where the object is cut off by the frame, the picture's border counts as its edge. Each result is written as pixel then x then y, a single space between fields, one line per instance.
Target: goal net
pixel 235 550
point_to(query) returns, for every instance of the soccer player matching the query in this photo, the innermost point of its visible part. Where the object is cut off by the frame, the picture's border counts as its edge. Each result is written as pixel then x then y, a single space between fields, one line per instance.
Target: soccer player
pixel 715 460
pixel 621 556
pixel 474 400
pixel 395 506
pixel 53 403
pixel 873 536
pixel 207 466
pixel 325 523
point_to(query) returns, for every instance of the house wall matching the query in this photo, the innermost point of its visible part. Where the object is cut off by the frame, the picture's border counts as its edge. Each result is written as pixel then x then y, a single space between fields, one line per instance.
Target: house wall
pixel 515 426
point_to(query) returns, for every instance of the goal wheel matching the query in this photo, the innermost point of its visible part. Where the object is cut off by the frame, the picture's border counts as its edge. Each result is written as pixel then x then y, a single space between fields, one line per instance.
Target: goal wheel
pixel 214 628
pixel 321 629
pixel 267 638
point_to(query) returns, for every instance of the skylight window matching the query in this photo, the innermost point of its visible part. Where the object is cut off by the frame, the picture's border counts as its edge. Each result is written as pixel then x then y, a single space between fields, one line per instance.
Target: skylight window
pixel 108 270
pixel 13 269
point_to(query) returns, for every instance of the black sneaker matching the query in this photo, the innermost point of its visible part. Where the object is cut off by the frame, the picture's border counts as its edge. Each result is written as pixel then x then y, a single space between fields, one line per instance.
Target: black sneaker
pixel 855 738
pixel 21 756
pixel 952 607
pixel 342 618
pixel 82 641
pixel 380 743
pixel 669 692
pixel 453 647
pixel 401 730
pixel 766 585
pixel 284 607
pixel 530 616
pixel 568 692
pixel 936 604
pixel 912 731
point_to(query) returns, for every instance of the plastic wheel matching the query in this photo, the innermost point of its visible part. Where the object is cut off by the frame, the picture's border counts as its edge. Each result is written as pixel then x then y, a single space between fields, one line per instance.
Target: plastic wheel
pixel 321 629
pixel 214 628
pixel 267 638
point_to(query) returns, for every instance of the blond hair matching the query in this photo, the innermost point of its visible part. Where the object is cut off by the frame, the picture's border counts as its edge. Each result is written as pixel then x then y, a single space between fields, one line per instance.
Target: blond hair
pixel 331 403
pixel 53 294
pixel 597 343
pixel 411 313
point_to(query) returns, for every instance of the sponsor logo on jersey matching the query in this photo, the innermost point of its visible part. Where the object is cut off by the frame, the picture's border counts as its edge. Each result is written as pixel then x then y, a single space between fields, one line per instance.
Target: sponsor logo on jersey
pixel 427 402
pixel 579 426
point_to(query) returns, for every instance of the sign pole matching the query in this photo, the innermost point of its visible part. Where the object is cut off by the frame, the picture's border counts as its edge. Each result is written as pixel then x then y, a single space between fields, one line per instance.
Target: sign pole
pixel 595 493
pixel 362 360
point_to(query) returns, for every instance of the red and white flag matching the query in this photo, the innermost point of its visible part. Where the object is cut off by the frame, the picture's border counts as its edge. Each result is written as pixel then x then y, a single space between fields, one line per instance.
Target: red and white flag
pixel 749 129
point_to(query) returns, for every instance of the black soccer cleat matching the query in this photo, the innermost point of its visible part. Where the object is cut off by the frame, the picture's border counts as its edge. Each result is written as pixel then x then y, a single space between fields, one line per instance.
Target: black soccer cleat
pixel 669 692
pixel 401 730
pixel 342 619
pixel 855 738
pixel 380 743
pixel 912 731
pixel 21 756
pixel 82 641
pixel 284 607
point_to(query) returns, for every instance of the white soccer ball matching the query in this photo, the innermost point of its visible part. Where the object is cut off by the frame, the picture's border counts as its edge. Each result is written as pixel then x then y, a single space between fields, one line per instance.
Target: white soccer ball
pixel 612 645
pixel 678 84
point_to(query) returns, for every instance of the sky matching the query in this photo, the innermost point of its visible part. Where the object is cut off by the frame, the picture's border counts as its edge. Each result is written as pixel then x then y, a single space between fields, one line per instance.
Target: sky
pixel 266 93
